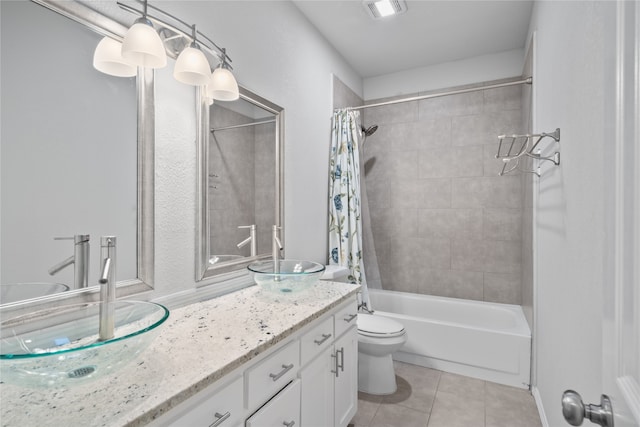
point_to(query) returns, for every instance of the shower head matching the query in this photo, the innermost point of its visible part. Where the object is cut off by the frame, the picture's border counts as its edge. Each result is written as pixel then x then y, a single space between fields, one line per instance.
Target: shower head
pixel 370 130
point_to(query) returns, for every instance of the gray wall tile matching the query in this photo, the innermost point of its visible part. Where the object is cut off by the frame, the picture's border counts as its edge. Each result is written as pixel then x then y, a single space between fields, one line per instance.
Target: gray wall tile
pixel 443 222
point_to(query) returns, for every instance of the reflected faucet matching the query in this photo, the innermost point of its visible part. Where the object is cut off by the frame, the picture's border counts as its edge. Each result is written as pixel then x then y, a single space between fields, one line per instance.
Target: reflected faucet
pixel 275 249
pixel 79 259
pixel 251 238
pixel 107 287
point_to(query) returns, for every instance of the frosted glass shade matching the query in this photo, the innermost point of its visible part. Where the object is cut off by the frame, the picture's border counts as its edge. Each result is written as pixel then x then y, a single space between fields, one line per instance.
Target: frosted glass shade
pixel 192 67
pixel 223 85
pixel 107 58
pixel 142 46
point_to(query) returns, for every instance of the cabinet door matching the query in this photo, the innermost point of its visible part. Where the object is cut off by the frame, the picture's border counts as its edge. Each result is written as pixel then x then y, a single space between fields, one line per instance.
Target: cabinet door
pixel 282 410
pixel 346 383
pixel 317 391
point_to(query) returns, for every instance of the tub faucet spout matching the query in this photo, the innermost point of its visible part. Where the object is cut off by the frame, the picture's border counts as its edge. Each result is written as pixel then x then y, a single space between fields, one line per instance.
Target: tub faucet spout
pixel 107 287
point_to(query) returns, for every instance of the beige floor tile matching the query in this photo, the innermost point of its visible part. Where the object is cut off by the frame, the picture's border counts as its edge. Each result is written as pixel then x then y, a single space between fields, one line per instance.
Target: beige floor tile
pixel 463 387
pixel 366 410
pixel 416 387
pixel 398 416
pixel 452 410
pixel 510 407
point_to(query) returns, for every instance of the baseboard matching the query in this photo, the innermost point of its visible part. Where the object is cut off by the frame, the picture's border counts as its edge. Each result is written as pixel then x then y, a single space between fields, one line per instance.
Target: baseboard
pixel 543 417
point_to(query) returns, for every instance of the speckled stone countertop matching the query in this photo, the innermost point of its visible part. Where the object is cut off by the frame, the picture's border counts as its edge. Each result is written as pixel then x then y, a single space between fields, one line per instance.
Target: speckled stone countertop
pixel 198 344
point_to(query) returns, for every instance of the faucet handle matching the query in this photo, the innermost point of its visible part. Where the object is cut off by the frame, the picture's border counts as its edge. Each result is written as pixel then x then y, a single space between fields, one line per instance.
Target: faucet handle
pixel 252 226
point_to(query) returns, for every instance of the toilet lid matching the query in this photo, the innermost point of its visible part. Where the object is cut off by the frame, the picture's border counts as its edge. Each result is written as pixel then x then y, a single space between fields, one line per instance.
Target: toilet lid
pixel 372 325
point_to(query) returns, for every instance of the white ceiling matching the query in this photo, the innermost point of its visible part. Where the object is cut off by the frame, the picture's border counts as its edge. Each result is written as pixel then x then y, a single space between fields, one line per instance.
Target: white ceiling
pixel 430 32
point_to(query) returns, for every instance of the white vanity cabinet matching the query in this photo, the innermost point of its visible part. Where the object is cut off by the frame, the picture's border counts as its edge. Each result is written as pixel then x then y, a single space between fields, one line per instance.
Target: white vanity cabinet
pixel 282 410
pixel 309 379
pixel 216 406
pixel 330 380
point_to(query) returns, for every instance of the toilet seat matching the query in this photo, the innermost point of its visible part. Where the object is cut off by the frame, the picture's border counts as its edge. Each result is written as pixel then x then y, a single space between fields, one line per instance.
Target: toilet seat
pixel 370 325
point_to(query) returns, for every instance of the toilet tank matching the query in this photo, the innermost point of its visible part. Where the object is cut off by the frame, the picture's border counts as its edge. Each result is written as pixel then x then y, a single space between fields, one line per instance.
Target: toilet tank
pixel 335 273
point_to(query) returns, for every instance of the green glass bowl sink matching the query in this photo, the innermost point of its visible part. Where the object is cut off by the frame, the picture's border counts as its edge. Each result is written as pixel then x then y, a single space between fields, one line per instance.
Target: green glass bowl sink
pixel 60 346
pixel 289 276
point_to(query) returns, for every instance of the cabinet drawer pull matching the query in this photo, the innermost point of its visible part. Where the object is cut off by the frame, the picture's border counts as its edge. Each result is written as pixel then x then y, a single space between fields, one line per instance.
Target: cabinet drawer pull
pixel 220 418
pixel 285 369
pixel 350 318
pixel 289 424
pixel 337 371
pixel 341 365
pixel 324 338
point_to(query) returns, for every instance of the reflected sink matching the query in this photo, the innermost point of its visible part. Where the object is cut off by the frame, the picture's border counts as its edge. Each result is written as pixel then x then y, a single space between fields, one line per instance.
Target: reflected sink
pixel 60 346
pixel 21 291
pixel 291 276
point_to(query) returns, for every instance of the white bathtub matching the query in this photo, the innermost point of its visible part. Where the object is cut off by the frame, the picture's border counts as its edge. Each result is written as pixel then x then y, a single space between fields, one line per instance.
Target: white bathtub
pixel 478 339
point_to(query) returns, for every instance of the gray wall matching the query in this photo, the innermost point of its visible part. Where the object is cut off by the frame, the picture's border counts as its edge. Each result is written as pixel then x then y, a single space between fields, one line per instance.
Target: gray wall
pixel 444 223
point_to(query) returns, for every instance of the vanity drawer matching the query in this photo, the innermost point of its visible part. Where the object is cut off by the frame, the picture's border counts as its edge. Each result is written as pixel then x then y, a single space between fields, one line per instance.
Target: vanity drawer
pixel 346 318
pixel 282 410
pixel 316 340
pixel 272 374
pixel 223 406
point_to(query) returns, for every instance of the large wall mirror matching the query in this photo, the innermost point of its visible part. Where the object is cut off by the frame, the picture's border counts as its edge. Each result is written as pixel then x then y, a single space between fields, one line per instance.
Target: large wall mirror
pixel 240 183
pixel 77 156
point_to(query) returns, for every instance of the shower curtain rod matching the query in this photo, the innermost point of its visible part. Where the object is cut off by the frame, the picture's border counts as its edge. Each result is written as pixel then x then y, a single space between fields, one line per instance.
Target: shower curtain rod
pixel 528 80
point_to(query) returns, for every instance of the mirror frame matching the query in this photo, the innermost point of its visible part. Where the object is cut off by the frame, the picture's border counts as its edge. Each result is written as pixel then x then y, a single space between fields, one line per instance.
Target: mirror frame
pixel 107 26
pixel 203 269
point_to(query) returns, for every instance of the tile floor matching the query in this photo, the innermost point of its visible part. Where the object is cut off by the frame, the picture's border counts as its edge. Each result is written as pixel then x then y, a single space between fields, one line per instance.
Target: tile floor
pixel 431 398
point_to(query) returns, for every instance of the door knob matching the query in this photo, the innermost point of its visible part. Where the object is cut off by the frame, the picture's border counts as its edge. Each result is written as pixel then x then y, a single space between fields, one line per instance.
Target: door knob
pixel 575 411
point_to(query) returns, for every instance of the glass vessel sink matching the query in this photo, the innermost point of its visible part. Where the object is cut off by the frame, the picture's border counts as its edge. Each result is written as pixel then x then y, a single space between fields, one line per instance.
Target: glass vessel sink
pixel 60 346
pixel 21 291
pixel 289 276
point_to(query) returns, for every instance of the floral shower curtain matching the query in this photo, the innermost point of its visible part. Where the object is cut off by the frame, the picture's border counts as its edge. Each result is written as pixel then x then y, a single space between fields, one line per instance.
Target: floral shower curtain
pixel 345 224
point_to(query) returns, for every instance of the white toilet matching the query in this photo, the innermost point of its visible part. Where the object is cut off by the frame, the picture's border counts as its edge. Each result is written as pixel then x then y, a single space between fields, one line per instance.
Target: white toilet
pixel 378 338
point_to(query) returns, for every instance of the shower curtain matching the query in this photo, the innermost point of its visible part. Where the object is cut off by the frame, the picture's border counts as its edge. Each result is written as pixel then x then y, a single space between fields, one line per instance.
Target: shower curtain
pixel 345 222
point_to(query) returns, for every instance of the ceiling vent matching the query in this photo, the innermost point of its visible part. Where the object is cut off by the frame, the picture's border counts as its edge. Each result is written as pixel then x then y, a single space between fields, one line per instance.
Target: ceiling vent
pixel 379 9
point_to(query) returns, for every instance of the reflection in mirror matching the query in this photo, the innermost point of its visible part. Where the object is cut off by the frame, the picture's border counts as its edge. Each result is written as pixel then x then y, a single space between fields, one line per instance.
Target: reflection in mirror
pixel 241 200
pixel 76 155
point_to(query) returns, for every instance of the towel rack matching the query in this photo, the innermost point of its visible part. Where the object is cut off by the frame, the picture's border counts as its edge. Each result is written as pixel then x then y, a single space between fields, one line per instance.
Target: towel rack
pixel 513 148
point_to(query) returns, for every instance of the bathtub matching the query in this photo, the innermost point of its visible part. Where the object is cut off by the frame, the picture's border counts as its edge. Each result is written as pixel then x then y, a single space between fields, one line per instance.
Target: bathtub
pixel 478 339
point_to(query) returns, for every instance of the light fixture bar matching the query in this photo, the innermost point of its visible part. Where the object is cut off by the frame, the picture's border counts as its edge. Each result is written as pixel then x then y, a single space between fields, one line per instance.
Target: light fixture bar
pixel 215 50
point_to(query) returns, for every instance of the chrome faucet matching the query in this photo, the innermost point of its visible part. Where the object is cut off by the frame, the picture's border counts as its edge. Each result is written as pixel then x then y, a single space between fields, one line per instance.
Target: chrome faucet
pixel 79 259
pixel 107 287
pixel 276 247
pixel 251 238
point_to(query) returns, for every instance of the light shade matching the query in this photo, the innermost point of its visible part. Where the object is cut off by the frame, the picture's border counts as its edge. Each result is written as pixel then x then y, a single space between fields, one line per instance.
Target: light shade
pixel 142 46
pixel 223 85
pixel 192 67
pixel 107 58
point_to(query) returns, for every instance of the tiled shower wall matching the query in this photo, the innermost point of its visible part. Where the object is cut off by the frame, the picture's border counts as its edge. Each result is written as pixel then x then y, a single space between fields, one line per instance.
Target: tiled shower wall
pixel 444 222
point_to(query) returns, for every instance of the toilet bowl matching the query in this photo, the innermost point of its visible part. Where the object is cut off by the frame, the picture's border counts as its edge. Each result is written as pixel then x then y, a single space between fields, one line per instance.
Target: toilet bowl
pixel 378 338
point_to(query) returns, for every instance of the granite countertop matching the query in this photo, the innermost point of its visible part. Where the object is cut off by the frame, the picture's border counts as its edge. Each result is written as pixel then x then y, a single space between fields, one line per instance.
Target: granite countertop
pixel 197 345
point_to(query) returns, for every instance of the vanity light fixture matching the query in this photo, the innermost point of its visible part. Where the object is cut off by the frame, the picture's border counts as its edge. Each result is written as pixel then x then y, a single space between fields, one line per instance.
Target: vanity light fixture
pixel 192 67
pixel 108 59
pixel 142 45
pixel 223 85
